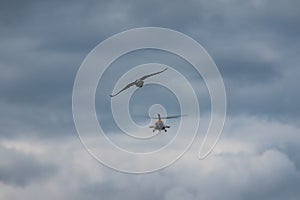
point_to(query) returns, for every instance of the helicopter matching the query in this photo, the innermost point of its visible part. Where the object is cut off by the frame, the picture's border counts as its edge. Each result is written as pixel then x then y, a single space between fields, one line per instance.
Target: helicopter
pixel 160 125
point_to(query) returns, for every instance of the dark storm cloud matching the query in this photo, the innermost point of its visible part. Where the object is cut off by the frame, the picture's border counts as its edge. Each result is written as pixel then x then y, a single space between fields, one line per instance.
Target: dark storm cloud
pixel 249 71
pixel 55 43
pixel 36 89
pixel 45 43
pixel 20 169
pixel 75 29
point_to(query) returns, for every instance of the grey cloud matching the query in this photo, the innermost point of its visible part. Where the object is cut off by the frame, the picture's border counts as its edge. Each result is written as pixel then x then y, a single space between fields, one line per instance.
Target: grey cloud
pixel 255 45
pixel 20 169
pixel 245 164
pixel 292 151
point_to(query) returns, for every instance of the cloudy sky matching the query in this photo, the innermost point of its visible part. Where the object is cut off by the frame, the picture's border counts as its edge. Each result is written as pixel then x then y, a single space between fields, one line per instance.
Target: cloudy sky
pixel 255 45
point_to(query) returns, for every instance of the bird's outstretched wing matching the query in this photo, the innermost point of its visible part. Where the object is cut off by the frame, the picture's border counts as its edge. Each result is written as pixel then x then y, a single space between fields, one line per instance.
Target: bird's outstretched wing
pixel 125 88
pixel 144 77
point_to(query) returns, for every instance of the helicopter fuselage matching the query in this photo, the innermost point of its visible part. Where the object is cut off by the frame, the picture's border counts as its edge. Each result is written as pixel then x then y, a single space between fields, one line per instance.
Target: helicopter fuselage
pixel 159 126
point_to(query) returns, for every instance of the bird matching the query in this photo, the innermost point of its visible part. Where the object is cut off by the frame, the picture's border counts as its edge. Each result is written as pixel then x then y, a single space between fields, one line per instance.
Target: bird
pixel 138 82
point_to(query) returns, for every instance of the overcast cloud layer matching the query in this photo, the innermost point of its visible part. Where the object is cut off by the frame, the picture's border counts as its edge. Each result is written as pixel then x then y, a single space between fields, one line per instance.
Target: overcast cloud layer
pixel 255 45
